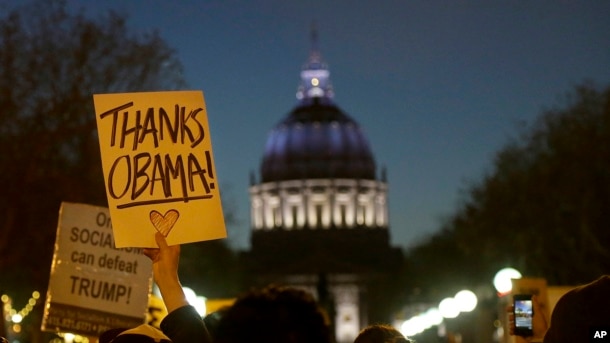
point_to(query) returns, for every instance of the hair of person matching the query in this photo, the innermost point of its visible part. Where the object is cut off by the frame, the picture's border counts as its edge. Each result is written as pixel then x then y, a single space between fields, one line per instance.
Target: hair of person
pixel 380 333
pixel 274 314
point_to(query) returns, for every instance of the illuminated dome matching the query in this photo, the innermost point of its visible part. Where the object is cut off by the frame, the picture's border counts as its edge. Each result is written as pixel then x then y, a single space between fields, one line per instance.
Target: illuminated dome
pixel 317 170
pixel 316 139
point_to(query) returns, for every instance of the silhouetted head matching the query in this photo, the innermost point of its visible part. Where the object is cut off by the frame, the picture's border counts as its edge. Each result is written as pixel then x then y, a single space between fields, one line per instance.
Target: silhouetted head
pixel 580 310
pixel 274 314
pixel 140 334
pixel 380 333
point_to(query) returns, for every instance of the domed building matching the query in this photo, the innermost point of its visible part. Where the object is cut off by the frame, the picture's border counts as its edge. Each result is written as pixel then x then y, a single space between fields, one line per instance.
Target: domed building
pixel 319 212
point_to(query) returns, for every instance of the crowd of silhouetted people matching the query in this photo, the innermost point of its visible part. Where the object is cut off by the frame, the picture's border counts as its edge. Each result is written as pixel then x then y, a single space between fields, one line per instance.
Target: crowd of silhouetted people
pixel 282 314
pixel 278 314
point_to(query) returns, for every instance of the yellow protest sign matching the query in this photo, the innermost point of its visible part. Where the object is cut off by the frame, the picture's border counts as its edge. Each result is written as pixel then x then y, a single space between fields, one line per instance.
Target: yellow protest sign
pixel 93 286
pixel 158 167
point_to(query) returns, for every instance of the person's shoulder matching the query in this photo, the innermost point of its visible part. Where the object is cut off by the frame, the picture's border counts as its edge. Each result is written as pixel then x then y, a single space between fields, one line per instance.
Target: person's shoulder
pixel 585 304
pixel 603 281
pixel 594 289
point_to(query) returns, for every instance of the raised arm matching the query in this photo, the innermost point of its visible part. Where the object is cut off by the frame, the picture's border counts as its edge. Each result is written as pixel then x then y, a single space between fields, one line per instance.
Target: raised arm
pixel 166 260
pixel 182 324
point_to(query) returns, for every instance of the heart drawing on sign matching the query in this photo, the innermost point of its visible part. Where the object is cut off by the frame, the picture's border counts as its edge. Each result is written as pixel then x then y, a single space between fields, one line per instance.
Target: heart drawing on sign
pixel 164 223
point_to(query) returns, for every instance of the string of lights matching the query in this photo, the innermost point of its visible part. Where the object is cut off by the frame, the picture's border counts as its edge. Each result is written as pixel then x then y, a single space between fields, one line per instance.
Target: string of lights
pixel 12 316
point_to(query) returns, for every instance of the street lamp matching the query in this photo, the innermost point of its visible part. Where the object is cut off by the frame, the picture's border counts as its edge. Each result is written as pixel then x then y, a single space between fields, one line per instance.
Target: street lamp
pixel 504 285
pixel 466 300
pixel 503 280
pixel 449 308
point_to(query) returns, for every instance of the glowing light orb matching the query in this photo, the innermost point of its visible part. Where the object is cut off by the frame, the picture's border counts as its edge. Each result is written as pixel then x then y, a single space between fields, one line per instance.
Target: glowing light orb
pixel 16 318
pixel 502 280
pixel 466 300
pixel 195 300
pixel 448 308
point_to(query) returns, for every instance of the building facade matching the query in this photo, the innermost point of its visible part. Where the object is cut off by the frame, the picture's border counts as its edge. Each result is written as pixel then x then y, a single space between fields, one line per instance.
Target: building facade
pixel 319 212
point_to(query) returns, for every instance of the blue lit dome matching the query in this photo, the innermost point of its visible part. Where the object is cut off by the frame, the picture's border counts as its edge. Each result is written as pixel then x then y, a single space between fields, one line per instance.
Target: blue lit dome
pixel 316 139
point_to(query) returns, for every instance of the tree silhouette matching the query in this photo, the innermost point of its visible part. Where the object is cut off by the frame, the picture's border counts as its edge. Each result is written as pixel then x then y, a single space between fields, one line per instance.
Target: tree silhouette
pixel 51 62
pixel 542 209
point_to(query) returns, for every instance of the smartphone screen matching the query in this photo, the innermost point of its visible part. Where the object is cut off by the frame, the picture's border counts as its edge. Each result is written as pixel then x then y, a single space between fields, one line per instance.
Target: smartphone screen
pixel 523 311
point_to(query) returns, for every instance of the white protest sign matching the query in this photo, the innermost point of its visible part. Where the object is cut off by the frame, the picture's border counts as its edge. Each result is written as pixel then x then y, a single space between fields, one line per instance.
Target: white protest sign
pixel 93 286
pixel 158 166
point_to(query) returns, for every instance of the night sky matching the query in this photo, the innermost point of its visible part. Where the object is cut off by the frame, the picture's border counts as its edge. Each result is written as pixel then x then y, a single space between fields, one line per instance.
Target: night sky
pixel 438 86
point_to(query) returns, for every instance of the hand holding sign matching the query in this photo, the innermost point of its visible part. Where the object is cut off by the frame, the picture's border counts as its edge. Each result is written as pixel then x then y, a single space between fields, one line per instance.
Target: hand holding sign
pixel 158 166
pixel 165 260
